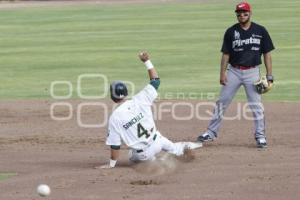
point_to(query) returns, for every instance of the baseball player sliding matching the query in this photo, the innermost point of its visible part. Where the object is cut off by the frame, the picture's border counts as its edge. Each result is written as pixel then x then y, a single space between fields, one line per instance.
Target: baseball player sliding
pixel 132 123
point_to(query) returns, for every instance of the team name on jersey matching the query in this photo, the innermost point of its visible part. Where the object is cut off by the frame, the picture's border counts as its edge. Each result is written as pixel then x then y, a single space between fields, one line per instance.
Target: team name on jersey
pixel 239 42
pixel 133 121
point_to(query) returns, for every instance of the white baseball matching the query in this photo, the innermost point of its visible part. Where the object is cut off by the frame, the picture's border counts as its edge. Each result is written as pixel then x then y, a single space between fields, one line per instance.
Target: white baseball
pixel 43 190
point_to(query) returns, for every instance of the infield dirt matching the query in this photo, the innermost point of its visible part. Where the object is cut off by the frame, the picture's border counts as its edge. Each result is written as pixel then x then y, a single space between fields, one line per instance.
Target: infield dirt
pixel 63 155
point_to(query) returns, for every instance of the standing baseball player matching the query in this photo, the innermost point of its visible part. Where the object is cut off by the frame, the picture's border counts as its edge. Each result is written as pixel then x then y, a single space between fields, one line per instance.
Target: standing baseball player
pixel 243 45
pixel 132 123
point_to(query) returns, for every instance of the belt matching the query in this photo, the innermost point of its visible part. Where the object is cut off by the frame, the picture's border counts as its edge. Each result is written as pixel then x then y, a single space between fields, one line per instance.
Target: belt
pixel 141 150
pixel 243 67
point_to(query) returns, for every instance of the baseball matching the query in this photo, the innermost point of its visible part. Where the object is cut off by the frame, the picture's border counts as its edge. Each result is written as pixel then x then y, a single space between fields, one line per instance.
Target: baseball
pixel 43 190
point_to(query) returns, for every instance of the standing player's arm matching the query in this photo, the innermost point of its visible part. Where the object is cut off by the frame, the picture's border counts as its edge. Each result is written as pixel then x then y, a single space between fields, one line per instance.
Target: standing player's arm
pixel 268 64
pixel 154 79
pixel 223 68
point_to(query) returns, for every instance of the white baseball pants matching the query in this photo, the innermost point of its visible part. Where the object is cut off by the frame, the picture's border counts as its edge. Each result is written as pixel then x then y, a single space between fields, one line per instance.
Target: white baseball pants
pixel 160 144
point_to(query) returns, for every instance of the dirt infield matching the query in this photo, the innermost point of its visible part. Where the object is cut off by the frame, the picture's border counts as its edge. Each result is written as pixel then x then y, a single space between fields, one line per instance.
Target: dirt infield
pixel 63 155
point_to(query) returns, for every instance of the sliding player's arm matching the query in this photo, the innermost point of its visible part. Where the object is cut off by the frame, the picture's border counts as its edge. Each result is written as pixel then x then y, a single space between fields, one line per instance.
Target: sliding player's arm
pixel 154 79
pixel 114 141
pixel 114 155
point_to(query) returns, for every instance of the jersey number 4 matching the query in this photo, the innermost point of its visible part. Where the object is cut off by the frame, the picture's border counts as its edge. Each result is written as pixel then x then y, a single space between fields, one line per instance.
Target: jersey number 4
pixel 142 131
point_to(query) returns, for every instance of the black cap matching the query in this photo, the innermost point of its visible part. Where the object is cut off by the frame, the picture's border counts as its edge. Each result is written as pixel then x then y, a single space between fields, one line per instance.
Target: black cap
pixel 118 91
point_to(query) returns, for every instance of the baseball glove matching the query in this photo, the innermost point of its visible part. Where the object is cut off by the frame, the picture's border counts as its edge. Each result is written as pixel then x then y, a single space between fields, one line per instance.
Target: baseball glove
pixel 263 85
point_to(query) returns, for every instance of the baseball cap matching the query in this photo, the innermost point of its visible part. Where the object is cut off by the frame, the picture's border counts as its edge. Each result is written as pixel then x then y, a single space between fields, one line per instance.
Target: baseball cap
pixel 243 6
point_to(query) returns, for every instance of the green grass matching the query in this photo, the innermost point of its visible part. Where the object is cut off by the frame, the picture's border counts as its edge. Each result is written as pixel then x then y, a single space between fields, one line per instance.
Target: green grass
pixel 44 44
pixel 4 176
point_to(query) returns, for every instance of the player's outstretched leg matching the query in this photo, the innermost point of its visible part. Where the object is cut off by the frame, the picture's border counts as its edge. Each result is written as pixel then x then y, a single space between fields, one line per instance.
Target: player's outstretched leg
pixel 177 148
pixel 162 144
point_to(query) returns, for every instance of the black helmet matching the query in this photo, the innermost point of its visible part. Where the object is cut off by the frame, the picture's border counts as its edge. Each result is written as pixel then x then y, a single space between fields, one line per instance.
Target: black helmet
pixel 118 91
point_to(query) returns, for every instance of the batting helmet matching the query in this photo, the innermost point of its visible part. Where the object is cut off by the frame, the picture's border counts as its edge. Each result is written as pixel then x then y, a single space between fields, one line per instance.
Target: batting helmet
pixel 118 91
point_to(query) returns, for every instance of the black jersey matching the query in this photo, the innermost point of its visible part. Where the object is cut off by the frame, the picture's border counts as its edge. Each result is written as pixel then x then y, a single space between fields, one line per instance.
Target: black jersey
pixel 245 47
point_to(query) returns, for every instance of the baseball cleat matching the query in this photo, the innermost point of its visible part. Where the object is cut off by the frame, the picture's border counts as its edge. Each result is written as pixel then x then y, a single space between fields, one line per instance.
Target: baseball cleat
pixel 261 143
pixel 204 138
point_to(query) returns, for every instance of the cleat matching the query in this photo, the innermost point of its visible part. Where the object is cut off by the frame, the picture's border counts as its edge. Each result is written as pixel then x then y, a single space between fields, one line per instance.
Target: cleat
pixel 261 143
pixel 204 138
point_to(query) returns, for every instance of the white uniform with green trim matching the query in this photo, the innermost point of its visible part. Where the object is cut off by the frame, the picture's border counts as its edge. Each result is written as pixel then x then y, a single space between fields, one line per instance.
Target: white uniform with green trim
pixel 132 123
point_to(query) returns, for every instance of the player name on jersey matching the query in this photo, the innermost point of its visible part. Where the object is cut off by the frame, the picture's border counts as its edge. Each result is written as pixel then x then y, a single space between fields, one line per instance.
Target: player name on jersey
pixel 133 121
